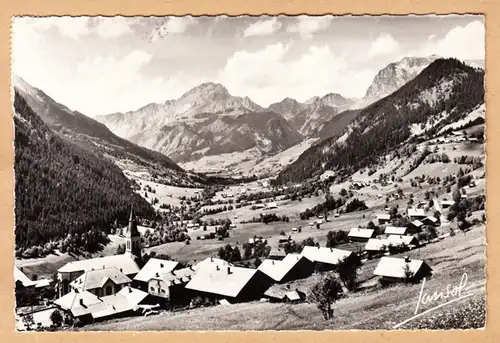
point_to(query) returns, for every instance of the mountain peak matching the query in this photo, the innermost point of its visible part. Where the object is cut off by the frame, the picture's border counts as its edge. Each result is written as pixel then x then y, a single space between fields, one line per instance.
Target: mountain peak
pixel 207 89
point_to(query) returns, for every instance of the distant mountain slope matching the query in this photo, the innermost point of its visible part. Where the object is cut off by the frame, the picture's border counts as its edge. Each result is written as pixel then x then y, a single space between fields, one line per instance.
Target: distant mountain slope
pixel 96 137
pixel 205 121
pixel 308 118
pixel 63 188
pixel 444 92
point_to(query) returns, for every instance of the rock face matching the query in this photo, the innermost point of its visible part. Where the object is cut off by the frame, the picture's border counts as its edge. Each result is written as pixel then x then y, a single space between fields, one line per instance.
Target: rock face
pixel 395 75
pixel 309 117
pixel 206 120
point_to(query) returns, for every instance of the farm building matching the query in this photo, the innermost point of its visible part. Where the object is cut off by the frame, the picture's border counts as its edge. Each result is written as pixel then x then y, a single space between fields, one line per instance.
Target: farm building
pixel 171 286
pixel 376 246
pixel 23 281
pixel 430 220
pixel 101 282
pixel 328 258
pixel 403 240
pixel 393 230
pixel 283 293
pixel 395 269
pixel 416 213
pixel 292 267
pixel 271 205
pixel 383 218
pixel 235 284
pixel 151 268
pixel 276 254
pixel 361 235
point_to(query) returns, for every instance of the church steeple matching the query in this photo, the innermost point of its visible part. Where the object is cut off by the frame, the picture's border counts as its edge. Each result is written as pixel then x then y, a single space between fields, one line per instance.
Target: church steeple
pixel 133 237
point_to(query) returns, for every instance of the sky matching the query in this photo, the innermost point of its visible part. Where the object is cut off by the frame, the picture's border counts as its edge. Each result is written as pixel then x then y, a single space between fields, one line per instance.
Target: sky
pixel 102 65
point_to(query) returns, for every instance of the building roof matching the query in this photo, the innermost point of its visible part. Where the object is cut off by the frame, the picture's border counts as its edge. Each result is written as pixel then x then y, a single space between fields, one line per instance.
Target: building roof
pixel 325 255
pixel 278 252
pixel 395 230
pixel 417 223
pixel 402 239
pixel 277 270
pixel 416 212
pixel 132 226
pixel 375 244
pixel 153 267
pixel 126 299
pixel 431 218
pixel 211 261
pixel 293 295
pixel 179 276
pixel 361 233
pixel 20 276
pixel 395 267
pixel 124 262
pixel 80 303
pixel 226 281
pixel 383 216
pixel 447 202
pixel 93 279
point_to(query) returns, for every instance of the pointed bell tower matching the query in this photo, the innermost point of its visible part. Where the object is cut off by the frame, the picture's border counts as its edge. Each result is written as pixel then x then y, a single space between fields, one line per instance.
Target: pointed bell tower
pixel 133 237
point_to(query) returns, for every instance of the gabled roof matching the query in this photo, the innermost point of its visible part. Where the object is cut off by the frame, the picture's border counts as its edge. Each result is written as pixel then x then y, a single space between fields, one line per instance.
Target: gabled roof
pixel 402 239
pixel 275 251
pixel 393 230
pixel 383 216
pixel 417 223
pixel 23 278
pixel 325 255
pixel 80 303
pixel 375 244
pixel 211 261
pixel 431 218
pixel 155 266
pixel 293 295
pixel 226 281
pixel 277 270
pixel 416 212
pixel 124 262
pixel 126 300
pixel 394 267
pixel 93 279
pixel 447 202
pixel 361 233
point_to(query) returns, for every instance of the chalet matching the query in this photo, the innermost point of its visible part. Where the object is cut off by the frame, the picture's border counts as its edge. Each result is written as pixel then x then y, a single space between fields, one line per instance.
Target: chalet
pixel 416 213
pixel 171 286
pixel 295 296
pixel 271 205
pixel 153 267
pixel 211 261
pixel 375 246
pixel 89 307
pixel 284 239
pixel 125 263
pixel 292 267
pixel 361 235
pixel 397 240
pixel 383 218
pixel 235 284
pixel 430 220
pixel 101 282
pixel 393 230
pixel 328 258
pixel 447 203
pixel 415 226
pixel 395 269
pixel 23 281
pixel 276 254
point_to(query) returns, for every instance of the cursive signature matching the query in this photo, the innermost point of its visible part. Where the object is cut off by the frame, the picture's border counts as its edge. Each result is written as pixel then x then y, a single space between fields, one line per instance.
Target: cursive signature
pixel 451 291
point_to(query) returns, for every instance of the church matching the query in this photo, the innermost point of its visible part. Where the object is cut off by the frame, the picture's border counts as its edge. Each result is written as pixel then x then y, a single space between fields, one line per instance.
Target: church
pixel 104 275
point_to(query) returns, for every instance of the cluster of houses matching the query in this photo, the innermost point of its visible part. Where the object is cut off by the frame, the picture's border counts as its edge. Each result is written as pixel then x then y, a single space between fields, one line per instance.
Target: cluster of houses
pixel 113 286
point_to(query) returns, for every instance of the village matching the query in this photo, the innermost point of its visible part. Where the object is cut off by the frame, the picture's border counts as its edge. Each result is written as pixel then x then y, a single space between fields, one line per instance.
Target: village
pixel 385 234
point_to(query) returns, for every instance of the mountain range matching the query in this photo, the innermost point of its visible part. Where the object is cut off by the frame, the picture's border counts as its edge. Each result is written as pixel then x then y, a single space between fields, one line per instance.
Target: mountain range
pixel 445 92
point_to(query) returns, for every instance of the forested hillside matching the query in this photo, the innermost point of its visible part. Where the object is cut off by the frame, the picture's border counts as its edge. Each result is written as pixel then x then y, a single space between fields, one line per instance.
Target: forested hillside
pixel 64 189
pixel 446 91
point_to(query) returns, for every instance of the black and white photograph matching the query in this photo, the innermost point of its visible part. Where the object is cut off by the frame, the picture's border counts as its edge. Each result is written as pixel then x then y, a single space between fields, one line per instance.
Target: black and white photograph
pixel 249 173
